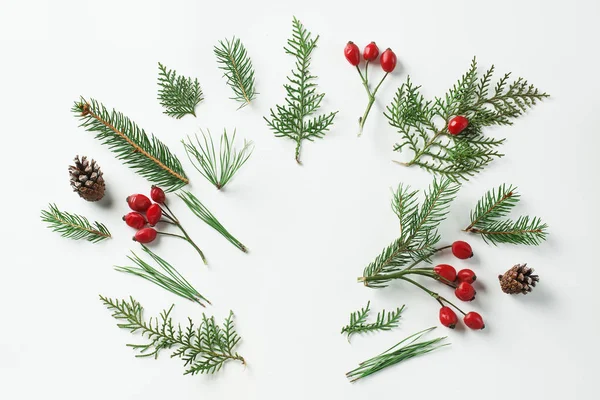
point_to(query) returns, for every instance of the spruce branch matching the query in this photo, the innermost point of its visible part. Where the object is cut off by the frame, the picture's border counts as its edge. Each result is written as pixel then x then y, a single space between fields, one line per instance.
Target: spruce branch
pixel 291 120
pixel 204 347
pixel 217 169
pixel 147 156
pixel 177 94
pixel 233 59
pixel 384 322
pixel 74 226
pixel 462 156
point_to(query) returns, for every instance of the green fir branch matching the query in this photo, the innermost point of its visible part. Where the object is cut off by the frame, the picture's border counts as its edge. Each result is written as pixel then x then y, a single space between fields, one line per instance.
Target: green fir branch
pixel 204 347
pixel 233 59
pixel 291 120
pixel 177 94
pixel 146 155
pixel 164 276
pixel 217 169
pixel 384 322
pixel 74 226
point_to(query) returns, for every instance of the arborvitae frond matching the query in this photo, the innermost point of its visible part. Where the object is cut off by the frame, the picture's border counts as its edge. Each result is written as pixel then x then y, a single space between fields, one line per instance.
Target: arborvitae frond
pixel 458 157
pixel 177 94
pixel 218 170
pixel 74 226
pixel 290 120
pixel 418 225
pixel 233 59
pixel 204 348
pixel 384 322
pixel 147 156
pixel 205 215
pixel 165 276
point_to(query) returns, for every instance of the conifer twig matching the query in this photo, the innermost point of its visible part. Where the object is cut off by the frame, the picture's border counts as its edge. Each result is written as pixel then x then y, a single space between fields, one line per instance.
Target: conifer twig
pixel 177 94
pixel 384 322
pixel 233 59
pixel 74 226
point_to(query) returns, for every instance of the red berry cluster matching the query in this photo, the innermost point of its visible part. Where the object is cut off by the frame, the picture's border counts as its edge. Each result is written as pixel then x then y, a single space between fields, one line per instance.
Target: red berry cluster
pixel 145 212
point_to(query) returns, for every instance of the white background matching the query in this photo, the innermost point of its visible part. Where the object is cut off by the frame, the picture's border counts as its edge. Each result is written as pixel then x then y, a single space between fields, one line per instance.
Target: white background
pixel 311 229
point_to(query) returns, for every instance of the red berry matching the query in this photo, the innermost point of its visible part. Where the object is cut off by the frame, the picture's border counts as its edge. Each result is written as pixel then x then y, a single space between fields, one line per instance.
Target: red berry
pixel 446 271
pixel 145 235
pixel 462 250
pixel 157 194
pixel 448 317
pixel 465 291
pixel 457 124
pixel 371 52
pixel 473 320
pixel 139 202
pixel 466 275
pixel 352 53
pixel 135 220
pixel 154 214
pixel 388 60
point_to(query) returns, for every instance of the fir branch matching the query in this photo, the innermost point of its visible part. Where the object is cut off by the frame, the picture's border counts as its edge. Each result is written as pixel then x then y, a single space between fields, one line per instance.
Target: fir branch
pixel 164 276
pixel 147 156
pixel 495 204
pixel 458 157
pixel 204 347
pixel 218 170
pixel 177 94
pixel 404 350
pixel 291 119
pixel 205 215
pixel 384 322
pixel 233 59
pixel 74 226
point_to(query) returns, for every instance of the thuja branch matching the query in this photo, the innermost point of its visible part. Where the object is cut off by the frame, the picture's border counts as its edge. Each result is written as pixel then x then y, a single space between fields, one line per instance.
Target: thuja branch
pixel 74 226
pixel 177 94
pixel 384 321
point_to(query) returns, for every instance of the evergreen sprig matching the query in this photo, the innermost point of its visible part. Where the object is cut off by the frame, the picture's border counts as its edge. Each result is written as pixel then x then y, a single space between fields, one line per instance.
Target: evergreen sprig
pixel 233 59
pixel 496 204
pixel 217 169
pixel 291 119
pixel 204 347
pixel 404 350
pixel 177 94
pixel 462 156
pixel 164 276
pixel 74 226
pixel 205 215
pixel 384 322
pixel 147 156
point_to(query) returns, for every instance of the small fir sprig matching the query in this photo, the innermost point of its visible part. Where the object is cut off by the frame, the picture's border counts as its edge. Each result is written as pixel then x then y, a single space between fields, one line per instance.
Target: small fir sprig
pixel 463 155
pixel 237 67
pixel 404 350
pixel 177 94
pixel 291 120
pixel 147 156
pixel 164 276
pixel 205 215
pixel 486 220
pixel 217 169
pixel 384 322
pixel 204 347
pixel 74 226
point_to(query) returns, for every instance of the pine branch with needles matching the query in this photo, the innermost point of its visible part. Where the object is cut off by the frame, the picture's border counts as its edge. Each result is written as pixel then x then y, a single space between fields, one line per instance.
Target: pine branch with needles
pixel 237 67
pixel 74 226
pixel 177 94
pixel 384 321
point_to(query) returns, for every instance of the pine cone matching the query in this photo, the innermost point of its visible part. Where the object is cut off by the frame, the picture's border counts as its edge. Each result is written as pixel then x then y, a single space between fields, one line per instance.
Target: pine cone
pixel 87 179
pixel 518 279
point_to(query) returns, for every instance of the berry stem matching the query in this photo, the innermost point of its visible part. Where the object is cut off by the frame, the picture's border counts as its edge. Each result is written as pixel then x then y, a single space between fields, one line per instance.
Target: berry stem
pixel 371 95
pixel 169 214
pixel 433 294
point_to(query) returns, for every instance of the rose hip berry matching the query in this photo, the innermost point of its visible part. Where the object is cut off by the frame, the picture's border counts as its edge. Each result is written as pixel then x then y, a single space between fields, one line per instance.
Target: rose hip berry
pixel 473 320
pixel 448 317
pixel 466 275
pixel 445 271
pixel 462 250
pixel 138 202
pixel 154 214
pixel 135 220
pixel 388 60
pixel 371 52
pixel 465 291
pixel 352 53
pixel 145 235
pixel 457 124
pixel 157 194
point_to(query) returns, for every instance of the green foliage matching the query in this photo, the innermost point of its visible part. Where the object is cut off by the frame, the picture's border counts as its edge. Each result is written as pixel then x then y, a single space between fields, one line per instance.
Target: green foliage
pixel 204 347
pixel 418 229
pixel 147 156
pixel 233 59
pixel 165 276
pixel 218 170
pixel 177 94
pixel 74 226
pixel 384 322
pixel 205 215
pixel 497 204
pixel 461 156
pixel 291 119
pixel 404 350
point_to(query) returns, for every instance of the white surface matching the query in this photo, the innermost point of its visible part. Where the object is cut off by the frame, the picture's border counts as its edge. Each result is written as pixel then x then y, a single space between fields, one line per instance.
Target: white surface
pixel 310 229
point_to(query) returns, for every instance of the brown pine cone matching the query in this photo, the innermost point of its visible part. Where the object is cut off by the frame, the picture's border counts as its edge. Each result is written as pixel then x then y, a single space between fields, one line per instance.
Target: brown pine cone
pixel 86 179
pixel 518 279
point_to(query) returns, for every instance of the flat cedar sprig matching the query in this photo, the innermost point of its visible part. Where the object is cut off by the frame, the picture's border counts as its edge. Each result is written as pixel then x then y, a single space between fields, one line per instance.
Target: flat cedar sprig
pixel 177 94
pixel 237 67
pixel 74 226
pixel 384 321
